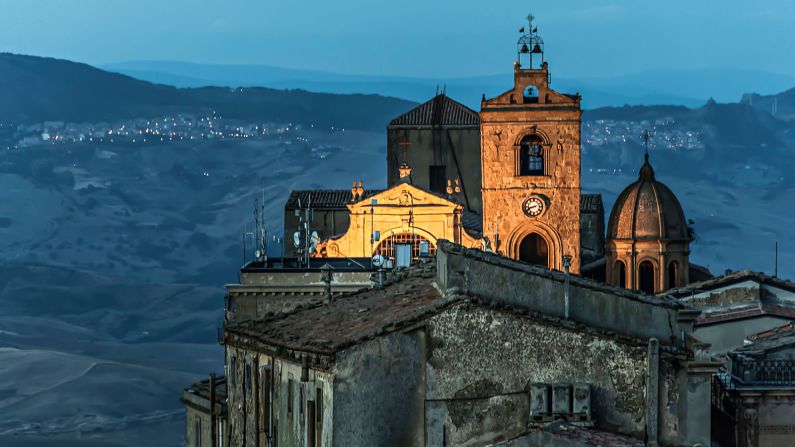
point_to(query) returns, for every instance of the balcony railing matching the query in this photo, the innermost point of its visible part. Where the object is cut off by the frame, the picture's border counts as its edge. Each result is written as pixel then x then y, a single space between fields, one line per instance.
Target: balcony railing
pixel 763 372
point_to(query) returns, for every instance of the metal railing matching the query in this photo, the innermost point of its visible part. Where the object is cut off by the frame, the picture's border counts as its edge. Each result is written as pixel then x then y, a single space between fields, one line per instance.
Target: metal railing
pixel 763 372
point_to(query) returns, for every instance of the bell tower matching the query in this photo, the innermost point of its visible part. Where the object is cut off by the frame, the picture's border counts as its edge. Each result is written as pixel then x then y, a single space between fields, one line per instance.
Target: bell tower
pixel 530 161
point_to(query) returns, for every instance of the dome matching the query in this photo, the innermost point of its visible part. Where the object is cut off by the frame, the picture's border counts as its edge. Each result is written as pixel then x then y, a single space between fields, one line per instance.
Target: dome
pixel 647 209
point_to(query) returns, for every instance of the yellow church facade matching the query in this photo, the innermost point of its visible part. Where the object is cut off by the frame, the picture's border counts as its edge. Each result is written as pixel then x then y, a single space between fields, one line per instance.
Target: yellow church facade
pixel 401 215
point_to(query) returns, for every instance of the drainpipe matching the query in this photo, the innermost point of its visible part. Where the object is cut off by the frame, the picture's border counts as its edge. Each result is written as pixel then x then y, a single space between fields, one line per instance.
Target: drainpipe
pixel 566 265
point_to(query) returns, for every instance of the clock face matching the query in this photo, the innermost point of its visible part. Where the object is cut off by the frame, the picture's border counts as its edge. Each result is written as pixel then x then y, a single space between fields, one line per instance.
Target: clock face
pixel 533 207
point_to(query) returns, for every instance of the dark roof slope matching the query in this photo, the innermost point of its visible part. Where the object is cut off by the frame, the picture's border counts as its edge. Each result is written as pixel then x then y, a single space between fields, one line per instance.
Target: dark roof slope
pixel 439 111
pixel 325 198
pixel 351 319
pixel 591 203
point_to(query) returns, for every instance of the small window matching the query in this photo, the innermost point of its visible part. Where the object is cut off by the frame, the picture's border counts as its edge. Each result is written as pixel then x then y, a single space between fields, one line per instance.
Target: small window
pixel 247 379
pixel 301 401
pixel 233 371
pixel 531 156
pixel 319 404
pixel 438 178
pixel 289 396
pixel 673 274
pixel 197 432
pixel 621 274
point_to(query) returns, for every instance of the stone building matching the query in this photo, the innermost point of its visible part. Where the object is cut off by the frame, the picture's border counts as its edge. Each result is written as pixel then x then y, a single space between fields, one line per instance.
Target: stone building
pixel 530 158
pixel 206 413
pixel 648 241
pixel 321 375
pixel 440 141
pixel 763 383
pixel 738 305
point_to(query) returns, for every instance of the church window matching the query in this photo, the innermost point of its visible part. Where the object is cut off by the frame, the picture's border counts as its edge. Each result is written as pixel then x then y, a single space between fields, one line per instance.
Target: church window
pixel 438 179
pixel 673 274
pixel 646 277
pixel 531 156
pixel 621 274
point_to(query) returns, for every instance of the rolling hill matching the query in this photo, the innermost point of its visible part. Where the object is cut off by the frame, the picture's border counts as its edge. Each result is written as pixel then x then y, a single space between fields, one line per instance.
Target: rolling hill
pixel 36 89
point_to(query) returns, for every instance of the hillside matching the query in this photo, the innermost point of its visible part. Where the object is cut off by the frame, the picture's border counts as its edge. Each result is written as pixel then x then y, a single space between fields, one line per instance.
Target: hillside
pixel 36 89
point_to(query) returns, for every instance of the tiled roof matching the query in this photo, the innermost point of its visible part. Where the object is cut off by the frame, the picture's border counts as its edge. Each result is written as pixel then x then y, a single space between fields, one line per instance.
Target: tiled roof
pixel 591 203
pixel 324 198
pixel 787 328
pixel 439 111
pixel 732 278
pixel 771 342
pixel 748 311
pixel 350 319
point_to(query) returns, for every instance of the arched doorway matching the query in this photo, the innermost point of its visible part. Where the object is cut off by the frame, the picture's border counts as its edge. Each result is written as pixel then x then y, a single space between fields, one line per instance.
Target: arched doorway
pixel 673 274
pixel 646 277
pixel 534 250
pixel 621 274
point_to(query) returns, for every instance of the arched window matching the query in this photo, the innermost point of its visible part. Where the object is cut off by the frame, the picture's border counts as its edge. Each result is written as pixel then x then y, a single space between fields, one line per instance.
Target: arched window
pixel 531 156
pixel 620 274
pixel 673 274
pixel 646 277
pixel 534 250
pixel 530 94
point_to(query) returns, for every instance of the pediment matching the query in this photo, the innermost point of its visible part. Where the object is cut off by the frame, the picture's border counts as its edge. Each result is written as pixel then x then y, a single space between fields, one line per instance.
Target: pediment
pixel 404 195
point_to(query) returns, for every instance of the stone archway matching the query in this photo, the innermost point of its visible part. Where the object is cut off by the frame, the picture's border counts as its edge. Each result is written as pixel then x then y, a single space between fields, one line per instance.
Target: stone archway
pixel 551 240
pixel 533 249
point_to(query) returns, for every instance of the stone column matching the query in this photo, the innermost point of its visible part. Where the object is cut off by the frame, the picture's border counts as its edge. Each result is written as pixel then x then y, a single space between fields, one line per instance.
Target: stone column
pixel 749 418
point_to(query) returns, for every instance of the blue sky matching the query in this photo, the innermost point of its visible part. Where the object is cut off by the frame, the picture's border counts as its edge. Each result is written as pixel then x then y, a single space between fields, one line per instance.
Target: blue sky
pixel 409 37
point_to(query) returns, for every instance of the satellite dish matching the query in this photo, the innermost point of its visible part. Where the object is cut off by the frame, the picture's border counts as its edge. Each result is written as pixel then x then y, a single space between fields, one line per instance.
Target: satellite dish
pixel 314 240
pixel 297 239
pixel 378 260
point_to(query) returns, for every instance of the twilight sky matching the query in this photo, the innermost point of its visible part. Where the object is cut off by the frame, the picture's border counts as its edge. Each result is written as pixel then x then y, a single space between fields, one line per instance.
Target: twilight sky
pixel 409 37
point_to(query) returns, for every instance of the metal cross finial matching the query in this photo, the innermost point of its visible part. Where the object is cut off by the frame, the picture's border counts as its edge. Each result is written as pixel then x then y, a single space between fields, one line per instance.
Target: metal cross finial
pixel 405 145
pixel 646 139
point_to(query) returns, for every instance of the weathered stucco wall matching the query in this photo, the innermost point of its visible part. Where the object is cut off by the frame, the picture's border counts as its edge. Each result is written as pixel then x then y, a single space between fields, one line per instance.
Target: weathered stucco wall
pixel 730 335
pixel 249 411
pixel 197 420
pixel 379 392
pixel 517 284
pixel 481 361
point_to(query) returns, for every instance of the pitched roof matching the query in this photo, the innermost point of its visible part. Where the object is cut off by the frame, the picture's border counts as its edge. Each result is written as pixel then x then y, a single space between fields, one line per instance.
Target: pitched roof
pixel 768 343
pixel 591 203
pixel 440 110
pixel 756 309
pixel 732 278
pixel 325 198
pixel 350 319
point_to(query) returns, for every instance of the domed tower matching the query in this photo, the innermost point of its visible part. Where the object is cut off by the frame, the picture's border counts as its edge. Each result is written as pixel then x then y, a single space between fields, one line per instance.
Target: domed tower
pixel 648 241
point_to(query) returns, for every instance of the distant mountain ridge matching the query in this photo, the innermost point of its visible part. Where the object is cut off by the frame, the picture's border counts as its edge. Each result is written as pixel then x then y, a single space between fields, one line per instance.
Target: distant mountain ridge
pixel 689 87
pixel 38 89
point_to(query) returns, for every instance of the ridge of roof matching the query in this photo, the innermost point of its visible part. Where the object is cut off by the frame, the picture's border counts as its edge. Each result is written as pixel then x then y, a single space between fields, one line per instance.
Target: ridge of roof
pixel 732 278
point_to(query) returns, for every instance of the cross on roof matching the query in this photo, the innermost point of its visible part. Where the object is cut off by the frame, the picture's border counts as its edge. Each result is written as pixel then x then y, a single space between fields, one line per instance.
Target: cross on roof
pixel 405 145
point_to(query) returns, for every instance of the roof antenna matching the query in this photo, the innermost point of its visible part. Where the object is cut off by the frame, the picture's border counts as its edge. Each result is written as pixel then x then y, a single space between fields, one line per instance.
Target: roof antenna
pixel 444 91
pixel 437 89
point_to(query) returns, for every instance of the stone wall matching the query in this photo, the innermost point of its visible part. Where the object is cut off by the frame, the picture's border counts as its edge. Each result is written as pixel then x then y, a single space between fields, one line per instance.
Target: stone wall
pixel 481 362
pixel 196 419
pixel 517 284
pixel 379 392
pixel 441 146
